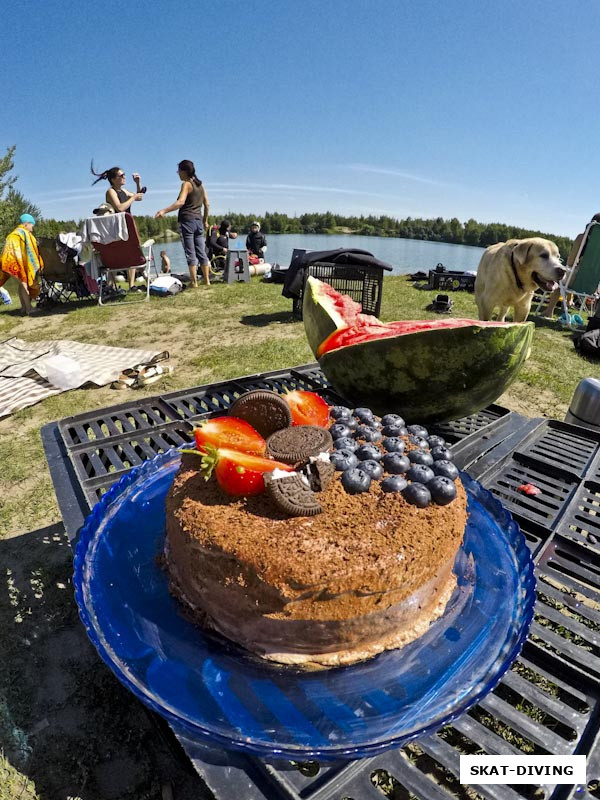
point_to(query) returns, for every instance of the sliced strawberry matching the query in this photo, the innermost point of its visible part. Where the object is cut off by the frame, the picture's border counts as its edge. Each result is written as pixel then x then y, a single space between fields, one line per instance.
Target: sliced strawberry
pixel 230 432
pixel 307 408
pixel 238 474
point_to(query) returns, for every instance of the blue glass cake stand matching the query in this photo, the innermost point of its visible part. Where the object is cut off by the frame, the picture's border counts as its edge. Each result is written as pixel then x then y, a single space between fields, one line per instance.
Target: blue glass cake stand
pixel 220 694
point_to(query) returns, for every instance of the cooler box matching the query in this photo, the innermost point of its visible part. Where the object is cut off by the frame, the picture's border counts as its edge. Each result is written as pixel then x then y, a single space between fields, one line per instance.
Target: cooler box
pixel 451 280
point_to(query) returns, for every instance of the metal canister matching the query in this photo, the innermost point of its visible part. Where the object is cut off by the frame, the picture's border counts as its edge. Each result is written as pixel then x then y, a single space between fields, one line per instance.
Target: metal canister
pixel 585 404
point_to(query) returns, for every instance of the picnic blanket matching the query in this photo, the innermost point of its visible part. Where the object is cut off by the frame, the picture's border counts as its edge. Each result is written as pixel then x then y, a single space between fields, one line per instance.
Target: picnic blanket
pixel 22 368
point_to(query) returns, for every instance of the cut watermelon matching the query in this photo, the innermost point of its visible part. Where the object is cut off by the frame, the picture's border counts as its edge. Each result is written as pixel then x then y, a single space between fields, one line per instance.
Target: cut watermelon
pixel 425 370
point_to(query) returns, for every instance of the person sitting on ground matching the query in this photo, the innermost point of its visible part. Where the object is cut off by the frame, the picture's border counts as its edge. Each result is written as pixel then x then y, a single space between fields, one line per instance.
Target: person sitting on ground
pixel 256 242
pixel 555 295
pixel 192 203
pixel 165 262
pixel 21 260
pixel 120 198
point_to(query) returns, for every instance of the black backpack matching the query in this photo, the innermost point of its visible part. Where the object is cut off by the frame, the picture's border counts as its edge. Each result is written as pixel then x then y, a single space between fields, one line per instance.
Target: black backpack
pixel 588 344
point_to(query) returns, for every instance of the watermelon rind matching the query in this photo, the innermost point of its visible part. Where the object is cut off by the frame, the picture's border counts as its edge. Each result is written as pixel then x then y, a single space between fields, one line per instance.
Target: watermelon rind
pixel 432 375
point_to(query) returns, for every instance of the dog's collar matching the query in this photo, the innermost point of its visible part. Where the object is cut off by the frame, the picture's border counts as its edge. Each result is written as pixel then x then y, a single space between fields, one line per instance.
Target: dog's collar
pixel 514 269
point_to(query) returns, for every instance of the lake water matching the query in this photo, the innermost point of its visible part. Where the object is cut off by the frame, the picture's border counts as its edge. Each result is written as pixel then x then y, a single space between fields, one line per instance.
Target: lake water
pixel 405 255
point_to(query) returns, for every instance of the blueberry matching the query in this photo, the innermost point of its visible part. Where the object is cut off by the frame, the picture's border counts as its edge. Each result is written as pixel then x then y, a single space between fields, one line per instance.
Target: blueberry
pixel 372 468
pixel 418 430
pixel 356 480
pixel 417 495
pixel 419 441
pixel 368 451
pixel 343 459
pixel 340 413
pixel 367 433
pixel 392 419
pixel 351 423
pixel 393 483
pixel 393 444
pixel 394 430
pixel 445 468
pixel 364 414
pixel 436 441
pixel 339 430
pixel 443 490
pixel 420 457
pixel 395 463
pixel 419 473
pixel 441 454
pixel 345 443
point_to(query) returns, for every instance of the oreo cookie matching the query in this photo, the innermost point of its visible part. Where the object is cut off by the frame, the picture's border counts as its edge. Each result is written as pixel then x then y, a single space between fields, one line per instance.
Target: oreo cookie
pixel 292 445
pixel 292 495
pixel 266 411
pixel 319 474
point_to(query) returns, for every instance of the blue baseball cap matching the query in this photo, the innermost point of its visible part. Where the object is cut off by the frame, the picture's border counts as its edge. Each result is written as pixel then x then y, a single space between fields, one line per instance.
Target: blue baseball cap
pixel 27 218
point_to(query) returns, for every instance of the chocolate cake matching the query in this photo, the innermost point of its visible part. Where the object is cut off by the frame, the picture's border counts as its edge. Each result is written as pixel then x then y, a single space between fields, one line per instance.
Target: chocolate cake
pixel 370 572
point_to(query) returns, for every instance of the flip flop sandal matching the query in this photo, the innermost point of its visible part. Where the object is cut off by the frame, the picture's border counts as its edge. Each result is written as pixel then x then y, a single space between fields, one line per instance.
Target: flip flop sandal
pixel 126 380
pixel 164 356
pixel 151 374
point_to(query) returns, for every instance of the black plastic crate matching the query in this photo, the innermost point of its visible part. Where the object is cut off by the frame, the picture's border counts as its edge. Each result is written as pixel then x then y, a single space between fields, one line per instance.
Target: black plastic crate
pixel 132 417
pixel 459 429
pixel 98 465
pixel 203 401
pixel 563 448
pixel 362 283
pixel 581 521
pixel 567 612
pixel 543 509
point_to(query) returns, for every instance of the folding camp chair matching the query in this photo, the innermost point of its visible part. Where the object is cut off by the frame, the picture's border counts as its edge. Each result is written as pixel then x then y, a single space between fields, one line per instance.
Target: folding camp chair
pixel 120 255
pixel 583 275
pixel 60 281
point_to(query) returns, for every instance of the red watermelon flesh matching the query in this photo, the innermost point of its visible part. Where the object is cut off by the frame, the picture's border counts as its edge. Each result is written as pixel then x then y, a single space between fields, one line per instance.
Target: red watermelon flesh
pixel 366 328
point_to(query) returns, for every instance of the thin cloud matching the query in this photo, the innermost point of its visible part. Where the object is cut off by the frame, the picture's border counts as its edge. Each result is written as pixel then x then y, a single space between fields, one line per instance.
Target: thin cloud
pixel 216 188
pixel 275 187
pixel 396 173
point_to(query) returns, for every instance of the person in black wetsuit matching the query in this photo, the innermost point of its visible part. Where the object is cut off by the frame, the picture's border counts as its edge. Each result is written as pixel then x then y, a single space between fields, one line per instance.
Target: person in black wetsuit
pixel 256 242
pixel 218 244
pixel 120 198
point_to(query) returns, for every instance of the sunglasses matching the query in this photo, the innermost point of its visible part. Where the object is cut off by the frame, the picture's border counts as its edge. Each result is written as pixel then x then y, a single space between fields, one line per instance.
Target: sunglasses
pixel 120 175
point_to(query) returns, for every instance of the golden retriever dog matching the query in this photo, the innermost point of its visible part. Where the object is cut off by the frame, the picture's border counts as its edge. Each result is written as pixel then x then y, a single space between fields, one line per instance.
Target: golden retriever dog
pixel 509 273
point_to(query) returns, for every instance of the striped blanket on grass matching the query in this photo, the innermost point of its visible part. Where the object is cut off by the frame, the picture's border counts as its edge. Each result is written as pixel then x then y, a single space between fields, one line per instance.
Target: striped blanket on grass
pixel 22 368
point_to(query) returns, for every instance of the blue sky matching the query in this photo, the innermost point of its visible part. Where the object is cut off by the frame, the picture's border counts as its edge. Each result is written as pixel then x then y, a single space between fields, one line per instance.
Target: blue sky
pixel 469 109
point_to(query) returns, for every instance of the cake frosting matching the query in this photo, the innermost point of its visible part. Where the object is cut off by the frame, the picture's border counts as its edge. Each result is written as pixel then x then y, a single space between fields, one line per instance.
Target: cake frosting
pixel 369 573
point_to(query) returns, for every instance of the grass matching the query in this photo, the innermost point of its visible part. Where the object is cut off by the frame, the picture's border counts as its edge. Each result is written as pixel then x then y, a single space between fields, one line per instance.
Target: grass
pixel 220 333
pixel 63 718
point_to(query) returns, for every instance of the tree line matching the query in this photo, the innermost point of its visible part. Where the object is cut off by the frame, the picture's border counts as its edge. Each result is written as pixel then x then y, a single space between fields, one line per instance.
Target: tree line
pixel 452 231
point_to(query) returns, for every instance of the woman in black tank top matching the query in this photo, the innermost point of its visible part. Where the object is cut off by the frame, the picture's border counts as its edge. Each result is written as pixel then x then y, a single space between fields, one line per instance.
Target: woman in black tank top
pixel 192 205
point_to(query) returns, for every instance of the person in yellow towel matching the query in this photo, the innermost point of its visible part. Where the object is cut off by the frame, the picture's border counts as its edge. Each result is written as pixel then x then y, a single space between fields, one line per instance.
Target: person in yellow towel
pixel 21 260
